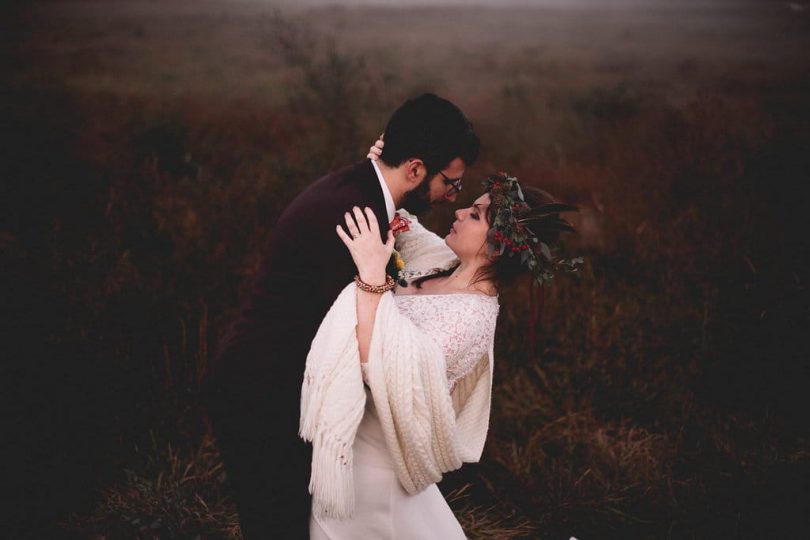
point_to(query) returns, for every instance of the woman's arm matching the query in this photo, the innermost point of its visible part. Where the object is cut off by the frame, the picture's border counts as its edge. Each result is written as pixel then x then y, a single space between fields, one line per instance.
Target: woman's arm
pixel 422 250
pixel 370 256
pixel 366 312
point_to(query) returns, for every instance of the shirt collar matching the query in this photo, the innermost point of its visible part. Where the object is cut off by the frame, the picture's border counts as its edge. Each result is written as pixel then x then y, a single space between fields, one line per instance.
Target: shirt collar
pixel 389 200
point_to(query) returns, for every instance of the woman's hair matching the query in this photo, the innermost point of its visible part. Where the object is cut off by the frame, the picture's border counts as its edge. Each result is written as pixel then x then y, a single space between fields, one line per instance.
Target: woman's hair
pixel 503 270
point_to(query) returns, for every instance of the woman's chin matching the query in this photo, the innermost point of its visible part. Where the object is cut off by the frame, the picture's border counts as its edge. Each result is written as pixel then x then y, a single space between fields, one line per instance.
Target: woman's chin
pixel 449 241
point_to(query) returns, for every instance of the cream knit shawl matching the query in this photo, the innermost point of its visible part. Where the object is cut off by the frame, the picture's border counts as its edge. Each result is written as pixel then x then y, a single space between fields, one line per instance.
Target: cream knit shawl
pixel 427 430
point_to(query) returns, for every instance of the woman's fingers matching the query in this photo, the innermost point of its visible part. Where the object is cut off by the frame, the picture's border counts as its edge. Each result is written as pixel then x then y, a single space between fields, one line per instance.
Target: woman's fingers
pixel 376 150
pixel 373 226
pixel 374 153
pixel 363 241
pixel 343 236
pixel 358 223
pixel 362 223
pixel 351 225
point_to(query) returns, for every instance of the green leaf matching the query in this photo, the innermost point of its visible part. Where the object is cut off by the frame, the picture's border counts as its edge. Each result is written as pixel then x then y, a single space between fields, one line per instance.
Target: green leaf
pixel 524 256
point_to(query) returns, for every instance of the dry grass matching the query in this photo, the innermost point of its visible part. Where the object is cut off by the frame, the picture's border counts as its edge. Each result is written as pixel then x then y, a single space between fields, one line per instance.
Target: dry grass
pixel 175 495
pixel 150 151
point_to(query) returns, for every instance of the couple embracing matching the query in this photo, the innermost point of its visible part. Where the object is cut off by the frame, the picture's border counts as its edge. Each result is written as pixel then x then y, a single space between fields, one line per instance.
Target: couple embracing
pixel 381 358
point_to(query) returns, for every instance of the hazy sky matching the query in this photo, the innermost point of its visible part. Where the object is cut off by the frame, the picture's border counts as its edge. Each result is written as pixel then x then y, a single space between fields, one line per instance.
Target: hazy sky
pixel 493 3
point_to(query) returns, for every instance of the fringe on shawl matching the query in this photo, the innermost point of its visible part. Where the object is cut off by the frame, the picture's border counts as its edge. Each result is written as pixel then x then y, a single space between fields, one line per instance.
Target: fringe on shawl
pixel 332 406
pixel 332 481
pixel 311 401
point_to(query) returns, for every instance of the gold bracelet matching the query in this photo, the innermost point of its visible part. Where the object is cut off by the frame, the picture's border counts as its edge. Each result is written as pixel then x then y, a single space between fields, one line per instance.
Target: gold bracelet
pixel 377 289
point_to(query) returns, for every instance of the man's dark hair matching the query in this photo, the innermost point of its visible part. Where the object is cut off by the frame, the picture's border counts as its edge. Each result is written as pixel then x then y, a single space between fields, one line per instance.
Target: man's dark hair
pixel 432 129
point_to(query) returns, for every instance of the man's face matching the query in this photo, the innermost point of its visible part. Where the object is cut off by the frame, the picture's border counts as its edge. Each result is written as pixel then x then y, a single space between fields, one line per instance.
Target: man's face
pixel 434 191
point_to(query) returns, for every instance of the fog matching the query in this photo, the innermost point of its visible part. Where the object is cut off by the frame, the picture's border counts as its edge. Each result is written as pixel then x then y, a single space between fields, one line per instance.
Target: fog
pixel 149 148
pixel 578 4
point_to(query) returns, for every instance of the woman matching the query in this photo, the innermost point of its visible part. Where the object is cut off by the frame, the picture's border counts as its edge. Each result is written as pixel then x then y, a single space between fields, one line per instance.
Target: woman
pixel 398 382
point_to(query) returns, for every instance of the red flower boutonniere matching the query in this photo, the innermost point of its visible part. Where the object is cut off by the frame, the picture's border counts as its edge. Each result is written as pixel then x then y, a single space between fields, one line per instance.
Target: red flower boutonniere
pixel 400 224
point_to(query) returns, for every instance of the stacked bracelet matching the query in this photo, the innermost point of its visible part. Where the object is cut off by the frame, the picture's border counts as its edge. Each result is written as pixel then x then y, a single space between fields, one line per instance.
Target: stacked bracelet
pixel 377 289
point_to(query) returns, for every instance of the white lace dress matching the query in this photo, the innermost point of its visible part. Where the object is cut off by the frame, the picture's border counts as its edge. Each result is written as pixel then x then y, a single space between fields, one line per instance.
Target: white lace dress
pixel 463 326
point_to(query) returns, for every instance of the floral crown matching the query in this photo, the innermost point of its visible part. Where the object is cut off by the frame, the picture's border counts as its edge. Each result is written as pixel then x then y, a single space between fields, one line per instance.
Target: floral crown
pixel 515 224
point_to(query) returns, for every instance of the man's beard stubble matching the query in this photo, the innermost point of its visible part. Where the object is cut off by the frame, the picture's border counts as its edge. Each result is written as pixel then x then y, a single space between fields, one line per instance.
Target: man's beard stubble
pixel 417 201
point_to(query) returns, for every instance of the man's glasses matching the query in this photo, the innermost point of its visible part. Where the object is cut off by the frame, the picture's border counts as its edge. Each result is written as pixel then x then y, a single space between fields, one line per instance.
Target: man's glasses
pixel 454 183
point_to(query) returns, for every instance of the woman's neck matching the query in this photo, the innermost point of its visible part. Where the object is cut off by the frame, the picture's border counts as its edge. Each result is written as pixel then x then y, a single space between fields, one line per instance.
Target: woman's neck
pixel 465 277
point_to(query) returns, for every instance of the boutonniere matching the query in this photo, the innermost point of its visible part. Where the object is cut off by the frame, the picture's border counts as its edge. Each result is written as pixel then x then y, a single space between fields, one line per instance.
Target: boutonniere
pixel 399 262
pixel 400 224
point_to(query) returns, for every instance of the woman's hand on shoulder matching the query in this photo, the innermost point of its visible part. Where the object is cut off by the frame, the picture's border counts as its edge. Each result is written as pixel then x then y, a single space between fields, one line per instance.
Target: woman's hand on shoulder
pixel 370 255
pixel 375 151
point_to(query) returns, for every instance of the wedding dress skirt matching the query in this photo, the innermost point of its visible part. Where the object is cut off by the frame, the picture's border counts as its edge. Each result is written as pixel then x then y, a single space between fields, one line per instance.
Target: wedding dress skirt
pixel 383 509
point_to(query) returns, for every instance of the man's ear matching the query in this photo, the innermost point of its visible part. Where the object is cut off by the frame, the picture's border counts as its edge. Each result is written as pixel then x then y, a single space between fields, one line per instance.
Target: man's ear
pixel 415 171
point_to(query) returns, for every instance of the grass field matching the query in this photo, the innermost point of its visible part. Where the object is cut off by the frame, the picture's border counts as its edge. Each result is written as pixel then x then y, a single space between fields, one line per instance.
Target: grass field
pixel 149 148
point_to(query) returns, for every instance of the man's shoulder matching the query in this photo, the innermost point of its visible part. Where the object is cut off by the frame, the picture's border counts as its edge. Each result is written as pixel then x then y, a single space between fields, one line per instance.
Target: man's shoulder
pixel 345 186
pixel 356 174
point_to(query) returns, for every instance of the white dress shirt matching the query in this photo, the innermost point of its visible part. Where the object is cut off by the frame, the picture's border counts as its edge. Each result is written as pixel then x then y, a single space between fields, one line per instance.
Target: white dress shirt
pixel 389 200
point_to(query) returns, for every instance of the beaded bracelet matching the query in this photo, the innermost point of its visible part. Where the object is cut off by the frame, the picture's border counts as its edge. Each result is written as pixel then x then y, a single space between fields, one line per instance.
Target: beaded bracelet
pixel 377 289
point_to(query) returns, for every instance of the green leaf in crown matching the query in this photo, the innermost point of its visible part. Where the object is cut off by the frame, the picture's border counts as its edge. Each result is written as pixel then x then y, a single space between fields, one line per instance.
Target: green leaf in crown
pixel 515 225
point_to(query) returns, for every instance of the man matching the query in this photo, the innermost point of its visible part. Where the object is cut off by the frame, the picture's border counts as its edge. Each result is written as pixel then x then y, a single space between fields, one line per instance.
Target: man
pixel 253 390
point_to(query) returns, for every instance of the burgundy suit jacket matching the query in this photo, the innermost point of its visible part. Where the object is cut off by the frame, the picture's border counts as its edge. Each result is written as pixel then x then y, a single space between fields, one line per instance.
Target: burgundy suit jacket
pixel 304 267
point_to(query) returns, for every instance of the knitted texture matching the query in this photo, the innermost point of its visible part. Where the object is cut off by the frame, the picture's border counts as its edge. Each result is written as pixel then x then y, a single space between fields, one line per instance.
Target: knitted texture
pixel 332 403
pixel 427 431
pixel 408 382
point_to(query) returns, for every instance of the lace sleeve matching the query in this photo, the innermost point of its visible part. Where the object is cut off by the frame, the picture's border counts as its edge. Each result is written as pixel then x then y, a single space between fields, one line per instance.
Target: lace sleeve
pixel 462 325
pixel 475 336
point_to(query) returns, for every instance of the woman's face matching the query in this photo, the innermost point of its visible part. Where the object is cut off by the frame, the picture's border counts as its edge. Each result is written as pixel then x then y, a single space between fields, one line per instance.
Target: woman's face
pixel 468 234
